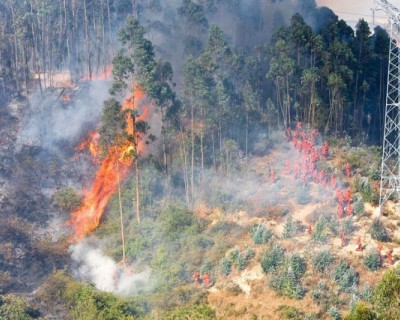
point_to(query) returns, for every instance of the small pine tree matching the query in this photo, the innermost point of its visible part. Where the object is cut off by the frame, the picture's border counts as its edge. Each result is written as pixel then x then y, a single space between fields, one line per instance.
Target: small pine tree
pixel 319 293
pixel 225 266
pixel 322 260
pixel 297 264
pixel 289 229
pixel 319 234
pixel 372 260
pixel 241 262
pixel 359 206
pixel 286 284
pixel 378 230
pixel 334 313
pixel 249 254
pixel 234 255
pixel 273 259
pixel 366 293
pixel 361 312
pixel 260 234
pixel 303 195
pixel 207 266
pixel 347 226
pixel 345 276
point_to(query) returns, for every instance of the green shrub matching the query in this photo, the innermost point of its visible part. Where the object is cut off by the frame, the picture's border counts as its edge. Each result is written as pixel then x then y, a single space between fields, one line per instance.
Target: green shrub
pixel 359 206
pixel 345 276
pixel 290 313
pixel 320 291
pixel 354 300
pixel 249 254
pixel 361 312
pixel 234 255
pixel 207 266
pixel 225 266
pixel 334 313
pixel 322 260
pixel 66 199
pixel 378 230
pixel 319 234
pixel 290 228
pixel 240 259
pixel 297 264
pixel 363 186
pixel 273 259
pixel 84 302
pixel 241 262
pixel 193 312
pixel 386 296
pixel 286 284
pixel 324 296
pixel 366 293
pixel 303 195
pixel 5 281
pixel 347 226
pixel 372 260
pixel 15 308
pixel 374 173
pixel 260 234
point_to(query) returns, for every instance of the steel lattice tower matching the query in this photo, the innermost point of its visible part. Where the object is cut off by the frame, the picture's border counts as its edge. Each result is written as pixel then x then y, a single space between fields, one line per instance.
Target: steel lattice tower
pixel 390 169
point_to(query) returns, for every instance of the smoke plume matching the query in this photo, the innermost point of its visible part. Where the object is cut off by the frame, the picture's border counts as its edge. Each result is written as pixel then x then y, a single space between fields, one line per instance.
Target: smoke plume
pixel 49 122
pixel 91 264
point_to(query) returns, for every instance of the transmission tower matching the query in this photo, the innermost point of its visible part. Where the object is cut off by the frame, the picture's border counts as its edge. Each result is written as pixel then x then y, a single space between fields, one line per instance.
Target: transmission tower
pixel 390 169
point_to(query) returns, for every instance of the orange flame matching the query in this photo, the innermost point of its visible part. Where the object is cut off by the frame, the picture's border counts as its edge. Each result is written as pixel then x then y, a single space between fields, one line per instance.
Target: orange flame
pixel 91 143
pixel 87 217
pixel 66 98
pixel 106 74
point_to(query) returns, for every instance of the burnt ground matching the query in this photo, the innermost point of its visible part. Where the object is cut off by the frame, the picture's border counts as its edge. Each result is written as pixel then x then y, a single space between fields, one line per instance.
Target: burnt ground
pixel 33 236
pixel 25 257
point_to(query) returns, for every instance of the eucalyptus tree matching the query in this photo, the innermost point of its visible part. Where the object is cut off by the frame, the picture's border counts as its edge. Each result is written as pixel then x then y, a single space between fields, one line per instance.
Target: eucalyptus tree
pixel 282 67
pixel 134 65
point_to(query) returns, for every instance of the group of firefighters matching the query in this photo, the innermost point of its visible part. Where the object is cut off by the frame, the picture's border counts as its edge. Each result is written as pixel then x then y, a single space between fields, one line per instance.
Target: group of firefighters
pixel 306 171
pixel 205 281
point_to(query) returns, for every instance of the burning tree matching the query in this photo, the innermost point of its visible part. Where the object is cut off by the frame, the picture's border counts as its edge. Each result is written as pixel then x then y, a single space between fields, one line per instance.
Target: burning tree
pixel 136 69
pixel 112 146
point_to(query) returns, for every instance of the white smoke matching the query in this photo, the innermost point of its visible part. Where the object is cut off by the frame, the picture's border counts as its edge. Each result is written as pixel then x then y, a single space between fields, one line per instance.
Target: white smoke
pixel 48 122
pixel 91 264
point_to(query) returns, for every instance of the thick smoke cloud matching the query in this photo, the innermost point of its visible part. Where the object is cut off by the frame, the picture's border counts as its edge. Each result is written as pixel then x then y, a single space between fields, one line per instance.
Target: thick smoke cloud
pixel 48 122
pixel 91 264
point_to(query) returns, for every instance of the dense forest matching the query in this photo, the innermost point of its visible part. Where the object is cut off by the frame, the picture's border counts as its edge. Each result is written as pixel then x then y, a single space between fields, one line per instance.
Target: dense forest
pixel 204 184
pixel 324 74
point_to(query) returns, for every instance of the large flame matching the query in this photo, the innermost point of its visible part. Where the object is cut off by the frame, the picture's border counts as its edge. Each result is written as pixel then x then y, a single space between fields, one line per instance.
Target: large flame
pixel 116 162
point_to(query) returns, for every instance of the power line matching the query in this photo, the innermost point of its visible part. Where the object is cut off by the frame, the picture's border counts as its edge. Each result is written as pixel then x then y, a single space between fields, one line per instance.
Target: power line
pixel 359 14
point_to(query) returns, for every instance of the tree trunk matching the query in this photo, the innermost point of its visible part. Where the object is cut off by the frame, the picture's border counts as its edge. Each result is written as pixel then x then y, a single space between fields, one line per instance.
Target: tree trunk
pixel 192 157
pixel 136 165
pixel 247 133
pixel 137 190
pixel 182 149
pixel 87 46
pixel 121 215
pixel 213 148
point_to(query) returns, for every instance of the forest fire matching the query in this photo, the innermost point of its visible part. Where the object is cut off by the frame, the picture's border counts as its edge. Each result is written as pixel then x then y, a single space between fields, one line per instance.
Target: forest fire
pixel 91 143
pixel 113 168
pixel 106 74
